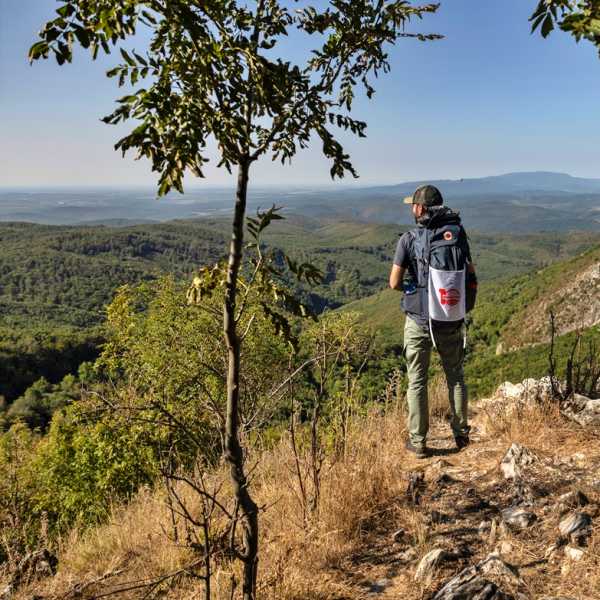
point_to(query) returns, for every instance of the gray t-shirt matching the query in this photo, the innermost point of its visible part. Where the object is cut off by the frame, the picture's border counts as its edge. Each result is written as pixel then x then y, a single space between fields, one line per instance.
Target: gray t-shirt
pixel 404 256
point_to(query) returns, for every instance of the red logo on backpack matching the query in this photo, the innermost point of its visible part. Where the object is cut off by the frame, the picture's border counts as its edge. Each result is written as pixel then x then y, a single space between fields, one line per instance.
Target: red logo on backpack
pixel 450 297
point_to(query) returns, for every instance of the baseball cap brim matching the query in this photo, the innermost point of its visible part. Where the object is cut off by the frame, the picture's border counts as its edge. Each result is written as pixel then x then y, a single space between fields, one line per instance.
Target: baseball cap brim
pixel 409 200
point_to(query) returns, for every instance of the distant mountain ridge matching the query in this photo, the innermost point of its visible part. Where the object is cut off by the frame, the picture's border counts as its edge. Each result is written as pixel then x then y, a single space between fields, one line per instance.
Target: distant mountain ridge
pixel 514 202
pixel 511 203
pixel 517 182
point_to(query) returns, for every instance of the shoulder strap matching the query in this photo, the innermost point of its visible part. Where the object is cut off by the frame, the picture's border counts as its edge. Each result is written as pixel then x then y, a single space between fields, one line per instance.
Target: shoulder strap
pixel 421 248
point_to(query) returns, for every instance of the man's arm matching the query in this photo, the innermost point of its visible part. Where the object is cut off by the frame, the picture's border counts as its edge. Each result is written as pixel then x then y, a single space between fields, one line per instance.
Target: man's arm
pixel 401 257
pixel 396 277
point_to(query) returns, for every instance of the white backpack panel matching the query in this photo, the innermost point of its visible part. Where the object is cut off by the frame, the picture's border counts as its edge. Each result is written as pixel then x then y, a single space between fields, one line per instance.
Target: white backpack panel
pixel 447 295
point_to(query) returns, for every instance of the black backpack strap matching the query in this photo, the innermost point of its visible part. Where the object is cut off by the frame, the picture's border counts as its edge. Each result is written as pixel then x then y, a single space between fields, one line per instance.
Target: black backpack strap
pixel 421 249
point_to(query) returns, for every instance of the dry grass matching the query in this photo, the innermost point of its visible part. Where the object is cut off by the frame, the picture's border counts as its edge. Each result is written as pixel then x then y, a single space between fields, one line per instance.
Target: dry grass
pixel 348 548
pixel 438 398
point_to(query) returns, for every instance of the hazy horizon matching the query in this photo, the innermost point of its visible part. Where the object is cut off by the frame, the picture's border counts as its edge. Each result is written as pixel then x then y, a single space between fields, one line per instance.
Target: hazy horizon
pixel 200 185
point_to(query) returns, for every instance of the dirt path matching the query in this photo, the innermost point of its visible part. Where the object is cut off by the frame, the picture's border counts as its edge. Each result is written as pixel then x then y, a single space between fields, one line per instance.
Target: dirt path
pixel 454 501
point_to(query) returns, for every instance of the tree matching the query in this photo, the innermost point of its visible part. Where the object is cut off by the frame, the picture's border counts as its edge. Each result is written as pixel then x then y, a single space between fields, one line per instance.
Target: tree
pixel 213 72
pixel 580 18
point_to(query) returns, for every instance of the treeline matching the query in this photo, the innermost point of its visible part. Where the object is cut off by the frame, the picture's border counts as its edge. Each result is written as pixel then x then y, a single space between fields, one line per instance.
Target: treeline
pixel 56 281
pixel 27 356
pixel 156 396
pixel 79 268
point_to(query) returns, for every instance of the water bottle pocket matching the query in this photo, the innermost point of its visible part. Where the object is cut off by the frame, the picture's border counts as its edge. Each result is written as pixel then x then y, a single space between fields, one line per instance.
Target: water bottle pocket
pixel 411 303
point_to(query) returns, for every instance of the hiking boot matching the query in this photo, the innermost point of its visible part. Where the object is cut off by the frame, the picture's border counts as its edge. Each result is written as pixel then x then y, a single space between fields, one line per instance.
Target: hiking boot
pixel 420 450
pixel 462 441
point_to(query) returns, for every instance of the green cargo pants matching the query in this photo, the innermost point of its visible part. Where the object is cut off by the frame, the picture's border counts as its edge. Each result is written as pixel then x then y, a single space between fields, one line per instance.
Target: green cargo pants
pixel 417 351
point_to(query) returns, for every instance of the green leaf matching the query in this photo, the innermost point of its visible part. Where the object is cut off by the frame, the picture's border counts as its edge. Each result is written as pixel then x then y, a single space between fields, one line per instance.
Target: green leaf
pixel 127 58
pixel 39 49
pixel 141 59
pixel 548 25
pixel 536 22
pixel 83 37
pixel 66 11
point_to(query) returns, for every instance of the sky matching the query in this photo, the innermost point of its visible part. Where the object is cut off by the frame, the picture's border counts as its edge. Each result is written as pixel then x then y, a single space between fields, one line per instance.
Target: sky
pixel 487 99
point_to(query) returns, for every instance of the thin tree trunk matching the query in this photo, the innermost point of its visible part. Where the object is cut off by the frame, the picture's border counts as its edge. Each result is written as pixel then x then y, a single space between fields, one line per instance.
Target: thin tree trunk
pixel 233 450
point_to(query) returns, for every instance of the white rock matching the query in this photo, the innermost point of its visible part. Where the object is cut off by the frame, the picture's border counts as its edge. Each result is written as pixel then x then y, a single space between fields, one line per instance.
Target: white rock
pixel 510 391
pixel 493 565
pixel 474 581
pixel 574 553
pixel 518 518
pixel 574 523
pixel 429 563
pixel 515 459
pixel 582 410
pixel 528 390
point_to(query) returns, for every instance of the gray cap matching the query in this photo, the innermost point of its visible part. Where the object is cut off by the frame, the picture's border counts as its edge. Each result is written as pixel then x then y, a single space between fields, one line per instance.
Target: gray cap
pixel 427 195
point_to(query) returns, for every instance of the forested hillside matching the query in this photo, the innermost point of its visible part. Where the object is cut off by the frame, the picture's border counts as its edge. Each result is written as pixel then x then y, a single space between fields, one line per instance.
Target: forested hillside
pixel 139 428
pixel 66 275
pixel 55 281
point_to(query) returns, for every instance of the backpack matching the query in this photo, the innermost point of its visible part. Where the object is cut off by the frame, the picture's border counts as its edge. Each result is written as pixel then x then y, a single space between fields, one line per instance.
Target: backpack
pixel 441 256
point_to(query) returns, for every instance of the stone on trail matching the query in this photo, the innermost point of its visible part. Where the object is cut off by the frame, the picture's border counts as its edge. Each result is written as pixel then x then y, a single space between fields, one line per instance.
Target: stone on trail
pixel 429 563
pixel 575 524
pixel 493 566
pixel 481 582
pixel 574 499
pixel 582 410
pixel 515 459
pixel 528 390
pixel 574 553
pixel 517 517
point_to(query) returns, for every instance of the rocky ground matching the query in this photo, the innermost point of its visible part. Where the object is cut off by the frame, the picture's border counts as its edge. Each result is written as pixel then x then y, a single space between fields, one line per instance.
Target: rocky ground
pixel 514 515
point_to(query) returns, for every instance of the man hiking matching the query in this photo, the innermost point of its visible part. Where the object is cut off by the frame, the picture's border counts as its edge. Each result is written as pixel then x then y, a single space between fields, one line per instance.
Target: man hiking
pixel 433 267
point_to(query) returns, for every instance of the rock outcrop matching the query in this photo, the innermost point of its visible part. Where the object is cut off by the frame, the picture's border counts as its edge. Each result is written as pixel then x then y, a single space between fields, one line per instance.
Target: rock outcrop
pixel 582 410
pixel 483 581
